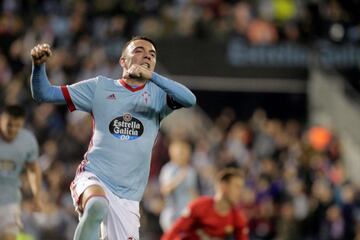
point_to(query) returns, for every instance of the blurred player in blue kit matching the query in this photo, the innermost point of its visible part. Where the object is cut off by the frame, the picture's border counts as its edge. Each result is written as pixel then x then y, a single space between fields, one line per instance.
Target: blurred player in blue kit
pixel 18 152
pixel 126 113
pixel 178 182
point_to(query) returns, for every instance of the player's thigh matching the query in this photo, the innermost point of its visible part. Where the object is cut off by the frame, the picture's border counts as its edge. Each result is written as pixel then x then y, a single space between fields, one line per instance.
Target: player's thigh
pixel 91 191
pixel 123 219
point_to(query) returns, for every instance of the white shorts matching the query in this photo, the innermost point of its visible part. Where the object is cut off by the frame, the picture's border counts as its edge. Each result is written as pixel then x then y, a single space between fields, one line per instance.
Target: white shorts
pixel 10 221
pixel 123 219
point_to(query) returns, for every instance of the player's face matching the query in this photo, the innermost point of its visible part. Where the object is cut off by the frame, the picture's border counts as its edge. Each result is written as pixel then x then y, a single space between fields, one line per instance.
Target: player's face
pixel 139 52
pixel 180 152
pixel 10 126
pixel 233 190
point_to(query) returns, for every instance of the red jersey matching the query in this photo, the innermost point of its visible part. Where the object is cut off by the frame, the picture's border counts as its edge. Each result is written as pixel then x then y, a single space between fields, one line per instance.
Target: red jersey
pixel 201 219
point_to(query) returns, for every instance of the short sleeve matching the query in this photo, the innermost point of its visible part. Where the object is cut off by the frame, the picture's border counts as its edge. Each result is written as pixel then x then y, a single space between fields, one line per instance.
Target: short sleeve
pixel 33 151
pixel 79 96
pixel 193 210
pixel 242 230
pixel 166 174
pixel 193 177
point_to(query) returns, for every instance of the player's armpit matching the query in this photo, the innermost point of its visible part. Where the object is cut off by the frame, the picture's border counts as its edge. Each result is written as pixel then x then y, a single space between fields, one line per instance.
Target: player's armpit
pixel 179 92
pixel 172 103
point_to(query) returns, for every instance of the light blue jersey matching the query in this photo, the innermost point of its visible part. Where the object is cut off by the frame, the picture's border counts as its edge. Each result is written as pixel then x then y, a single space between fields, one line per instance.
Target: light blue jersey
pixel 183 193
pixel 13 156
pixel 126 123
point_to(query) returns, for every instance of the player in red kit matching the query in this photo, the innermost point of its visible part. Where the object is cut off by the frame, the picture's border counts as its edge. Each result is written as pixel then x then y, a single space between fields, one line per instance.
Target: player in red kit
pixel 214 218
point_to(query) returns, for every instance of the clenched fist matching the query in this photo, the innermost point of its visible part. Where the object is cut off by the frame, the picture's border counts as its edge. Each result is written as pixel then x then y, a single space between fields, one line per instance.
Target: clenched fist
pixel 139 72
pixel 40 53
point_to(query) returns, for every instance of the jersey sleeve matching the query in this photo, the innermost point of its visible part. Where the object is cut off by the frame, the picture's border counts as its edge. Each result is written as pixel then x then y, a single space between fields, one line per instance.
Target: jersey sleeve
pixel 33 151
pixel 179 95
pixel 241 226
pixel 184 225
pixel 193 177
pixel 165 175
pixel 80 96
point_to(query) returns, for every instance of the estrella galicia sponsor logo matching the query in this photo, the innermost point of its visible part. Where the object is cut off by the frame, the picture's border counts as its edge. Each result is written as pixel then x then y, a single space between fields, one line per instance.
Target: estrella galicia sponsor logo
pixel 126 127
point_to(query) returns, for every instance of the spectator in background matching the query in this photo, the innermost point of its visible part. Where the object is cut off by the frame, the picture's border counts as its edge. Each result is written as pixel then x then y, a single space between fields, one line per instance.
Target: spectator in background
pixel 261 32
pixel 333 226
pixel 288 228
pixel 18 152
pixel 178 182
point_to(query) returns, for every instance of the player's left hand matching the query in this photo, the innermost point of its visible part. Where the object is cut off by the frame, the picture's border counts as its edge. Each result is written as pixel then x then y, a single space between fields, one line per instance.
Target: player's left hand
pixel 139 72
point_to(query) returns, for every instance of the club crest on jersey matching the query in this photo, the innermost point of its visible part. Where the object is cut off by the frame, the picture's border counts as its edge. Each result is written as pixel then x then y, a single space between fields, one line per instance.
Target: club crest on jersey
pixel 146 97
pixel 126 127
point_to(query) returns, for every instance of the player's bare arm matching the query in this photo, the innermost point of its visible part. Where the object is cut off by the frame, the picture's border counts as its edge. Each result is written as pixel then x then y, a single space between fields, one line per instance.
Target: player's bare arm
pixel 34 175
pixel 168 187
pixel 41 53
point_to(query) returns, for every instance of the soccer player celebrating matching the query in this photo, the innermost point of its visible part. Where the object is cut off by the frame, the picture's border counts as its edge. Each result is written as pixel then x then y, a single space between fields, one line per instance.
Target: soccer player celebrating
pixel 18 151
pixel 126 112
pixel 215 217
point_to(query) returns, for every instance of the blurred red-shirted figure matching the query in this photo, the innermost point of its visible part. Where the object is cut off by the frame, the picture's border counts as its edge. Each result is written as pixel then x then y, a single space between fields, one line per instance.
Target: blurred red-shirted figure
pixel 215 217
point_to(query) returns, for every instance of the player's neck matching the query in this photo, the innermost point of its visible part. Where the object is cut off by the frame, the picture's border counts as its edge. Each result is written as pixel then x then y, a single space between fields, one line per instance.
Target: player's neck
pixel 134 82
pixel 221 205
pixel 4 137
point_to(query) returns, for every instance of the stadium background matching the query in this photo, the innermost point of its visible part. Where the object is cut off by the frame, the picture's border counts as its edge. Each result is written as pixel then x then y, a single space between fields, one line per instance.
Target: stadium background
pixel 277 83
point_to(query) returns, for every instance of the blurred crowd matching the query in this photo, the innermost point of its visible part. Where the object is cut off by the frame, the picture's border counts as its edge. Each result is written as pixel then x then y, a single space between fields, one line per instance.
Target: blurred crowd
pixel 87 36
pixel 296 186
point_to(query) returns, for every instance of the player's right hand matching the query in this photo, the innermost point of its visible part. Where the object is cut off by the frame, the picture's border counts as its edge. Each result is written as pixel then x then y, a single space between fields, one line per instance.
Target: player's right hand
pixel 139 72
pixel 40 53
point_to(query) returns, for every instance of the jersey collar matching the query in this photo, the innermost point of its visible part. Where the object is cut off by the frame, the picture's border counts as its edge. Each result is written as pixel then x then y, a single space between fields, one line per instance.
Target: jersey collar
pixel 127 86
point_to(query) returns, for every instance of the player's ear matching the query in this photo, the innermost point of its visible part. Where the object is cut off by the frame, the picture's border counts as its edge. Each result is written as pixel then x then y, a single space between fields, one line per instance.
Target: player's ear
pixel 122 62
pixel 219 186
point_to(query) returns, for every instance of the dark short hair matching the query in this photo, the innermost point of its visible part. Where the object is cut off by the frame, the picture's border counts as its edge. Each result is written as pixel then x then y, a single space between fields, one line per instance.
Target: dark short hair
pixel 15 111
pixel 226 174
pixel 134 39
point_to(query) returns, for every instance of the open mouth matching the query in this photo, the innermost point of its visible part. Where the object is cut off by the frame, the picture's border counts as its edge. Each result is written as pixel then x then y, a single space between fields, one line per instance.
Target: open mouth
pixel 147 65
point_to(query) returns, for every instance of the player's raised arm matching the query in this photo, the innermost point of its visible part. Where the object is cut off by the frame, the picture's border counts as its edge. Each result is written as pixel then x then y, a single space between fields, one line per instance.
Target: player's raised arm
pixel 41 89
pixel 180 95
